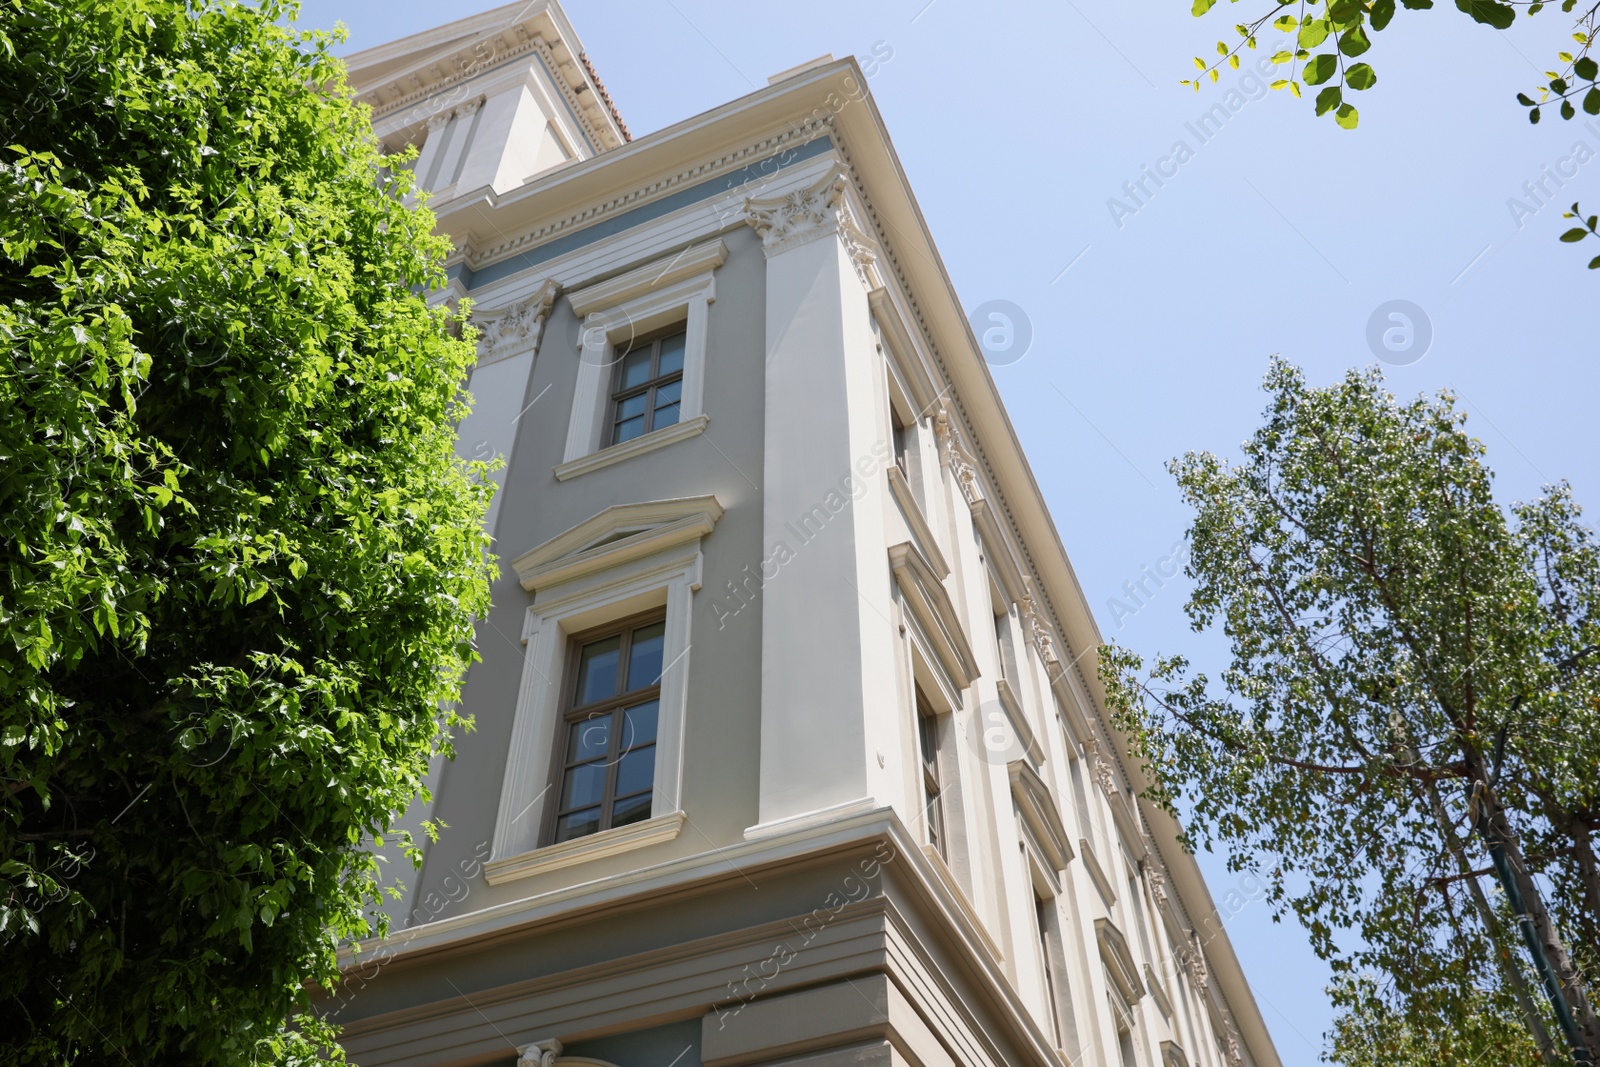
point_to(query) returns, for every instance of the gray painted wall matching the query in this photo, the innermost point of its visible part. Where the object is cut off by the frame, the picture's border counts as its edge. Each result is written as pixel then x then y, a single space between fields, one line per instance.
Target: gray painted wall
pixel 722 730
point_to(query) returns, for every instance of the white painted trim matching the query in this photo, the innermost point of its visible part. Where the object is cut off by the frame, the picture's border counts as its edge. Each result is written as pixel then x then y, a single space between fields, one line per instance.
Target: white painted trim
pixel 807 819
pixel 900 489
pixel 1039 815
pixel 649 528
pixel 583 849
pixel 929 603
pixel 1097 874
pixel 608 327
pixel 668 578
pixel 694 260
pixel 667 435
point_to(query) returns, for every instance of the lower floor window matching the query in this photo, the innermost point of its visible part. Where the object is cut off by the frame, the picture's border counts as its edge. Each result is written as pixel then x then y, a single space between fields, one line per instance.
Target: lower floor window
pixel 607 749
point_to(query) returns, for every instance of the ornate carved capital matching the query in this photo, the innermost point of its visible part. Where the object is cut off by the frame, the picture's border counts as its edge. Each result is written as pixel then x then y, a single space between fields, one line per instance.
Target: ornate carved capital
pixel 1102 769
pixel 1194 961
pixel 1158 885
pixel 822 209
pixel 517 325
pixel 540 1054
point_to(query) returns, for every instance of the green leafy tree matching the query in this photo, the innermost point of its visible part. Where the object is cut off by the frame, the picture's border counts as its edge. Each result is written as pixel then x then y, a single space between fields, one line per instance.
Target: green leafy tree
pixel 1466 1026
pixel 239 560
pixel 1414 674
pixel 1323 45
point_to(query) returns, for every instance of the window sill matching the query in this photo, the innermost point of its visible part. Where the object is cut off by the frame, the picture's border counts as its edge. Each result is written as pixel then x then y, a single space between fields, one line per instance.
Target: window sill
pixel 636 447
pixel 583 849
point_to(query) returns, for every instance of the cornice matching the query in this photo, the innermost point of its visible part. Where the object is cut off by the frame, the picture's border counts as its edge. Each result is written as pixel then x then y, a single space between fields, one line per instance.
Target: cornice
pixel 491 48
pixel 522 239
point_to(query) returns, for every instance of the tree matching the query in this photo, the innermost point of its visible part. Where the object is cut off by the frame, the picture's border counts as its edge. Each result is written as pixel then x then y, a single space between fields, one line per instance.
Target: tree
pixel 239 560
pixel 1319 45
pixel 1413 691
pixel 1467 1027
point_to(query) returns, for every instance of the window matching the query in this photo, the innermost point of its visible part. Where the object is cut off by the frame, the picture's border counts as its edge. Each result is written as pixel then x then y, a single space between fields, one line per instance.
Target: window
pixel 648 389
pixel 905 445
pixel 643 337
pixel 1044 912
pixel 608 743
pixel 928 745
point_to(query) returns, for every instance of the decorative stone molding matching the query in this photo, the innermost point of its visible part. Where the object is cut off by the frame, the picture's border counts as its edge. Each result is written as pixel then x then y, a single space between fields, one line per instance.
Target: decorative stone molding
pixel 1103 774
pixel 540 1054
pixel 517 326
pixel 767 148
pixel 954 455
pixel 1194 962
pixel 1158 885
pixel 820 210
pixel 1038 629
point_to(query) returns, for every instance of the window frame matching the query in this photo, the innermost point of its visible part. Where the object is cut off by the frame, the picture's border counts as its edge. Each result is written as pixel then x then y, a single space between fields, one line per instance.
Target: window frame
pixel 935 830
pixel 655 380
pixel 581 579
pixel 614 707
pixel 677 291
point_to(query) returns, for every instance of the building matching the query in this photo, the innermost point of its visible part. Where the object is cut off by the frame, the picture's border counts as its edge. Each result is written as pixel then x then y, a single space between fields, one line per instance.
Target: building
pixel 789 748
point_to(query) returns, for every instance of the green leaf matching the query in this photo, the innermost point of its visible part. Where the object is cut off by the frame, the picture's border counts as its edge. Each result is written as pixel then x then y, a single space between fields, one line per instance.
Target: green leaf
pixel 1347 116
pixel 1312 33
pixel 1577 233
pixel 1360 76
pixel 1488 12
pixel 1586 68
pixel 1328 99
pixel 1320 69
pixel 1201 7
pixel 1594 264
pixel 1382 13
pixel 1354 41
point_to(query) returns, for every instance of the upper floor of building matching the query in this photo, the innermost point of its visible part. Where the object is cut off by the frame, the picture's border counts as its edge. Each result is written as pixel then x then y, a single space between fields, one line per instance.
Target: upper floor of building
pixel 774 569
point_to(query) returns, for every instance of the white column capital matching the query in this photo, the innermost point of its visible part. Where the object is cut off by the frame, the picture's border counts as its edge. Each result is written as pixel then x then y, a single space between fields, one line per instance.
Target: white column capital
pixel 819 210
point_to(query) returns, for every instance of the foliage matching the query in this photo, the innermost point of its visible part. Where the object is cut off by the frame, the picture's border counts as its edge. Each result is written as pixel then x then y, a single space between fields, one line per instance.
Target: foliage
pixel 1318 42
pixel 238 558
pixel 1405 658
pixel 1467 1026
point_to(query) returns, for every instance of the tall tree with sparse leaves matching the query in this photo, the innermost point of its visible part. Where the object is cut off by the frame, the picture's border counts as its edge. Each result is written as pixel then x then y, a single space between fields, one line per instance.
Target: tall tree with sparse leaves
pixel 1414 687
pixel 239 560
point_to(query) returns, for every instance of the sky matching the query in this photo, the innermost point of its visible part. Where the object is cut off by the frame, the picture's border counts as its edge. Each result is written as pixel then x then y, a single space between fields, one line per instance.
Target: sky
pixel 1152 319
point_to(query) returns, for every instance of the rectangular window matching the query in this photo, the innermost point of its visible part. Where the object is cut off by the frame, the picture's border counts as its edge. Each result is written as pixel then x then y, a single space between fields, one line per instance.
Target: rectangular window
pixel 607 753
pixel 647 392
pixel 1043 911
pixel 928 745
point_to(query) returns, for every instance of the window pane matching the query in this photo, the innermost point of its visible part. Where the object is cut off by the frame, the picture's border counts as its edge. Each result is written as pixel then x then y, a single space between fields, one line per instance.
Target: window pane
pixel 641 726
pixel 627 431
pixel 583 785
pixel 671 355
pixel 667 416
pixel 634 809
pixel 635 368
pixel 644 663
pixel 636 770
pixel 597 670
pixel 670 393
pixel 577 824
pixel 633 405
pixel 588 739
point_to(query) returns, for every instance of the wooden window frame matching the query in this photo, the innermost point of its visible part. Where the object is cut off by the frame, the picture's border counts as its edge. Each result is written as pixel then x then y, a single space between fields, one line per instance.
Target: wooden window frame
pixel 647 388
pixel 613 706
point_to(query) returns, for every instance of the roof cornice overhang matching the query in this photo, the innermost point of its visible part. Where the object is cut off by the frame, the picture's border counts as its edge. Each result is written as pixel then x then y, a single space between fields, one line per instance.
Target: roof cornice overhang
pixel 411 72
pixel 836 92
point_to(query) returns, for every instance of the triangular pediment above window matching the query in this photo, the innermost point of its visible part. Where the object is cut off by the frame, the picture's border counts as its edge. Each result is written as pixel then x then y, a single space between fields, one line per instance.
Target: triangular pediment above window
pixel 617 535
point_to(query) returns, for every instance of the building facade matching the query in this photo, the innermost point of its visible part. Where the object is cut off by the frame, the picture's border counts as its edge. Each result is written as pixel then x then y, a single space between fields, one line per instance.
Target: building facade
pixel 789 747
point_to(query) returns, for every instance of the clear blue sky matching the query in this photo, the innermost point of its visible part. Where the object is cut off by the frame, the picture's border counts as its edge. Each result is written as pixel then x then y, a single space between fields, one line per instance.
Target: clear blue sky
pixel 1282 234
